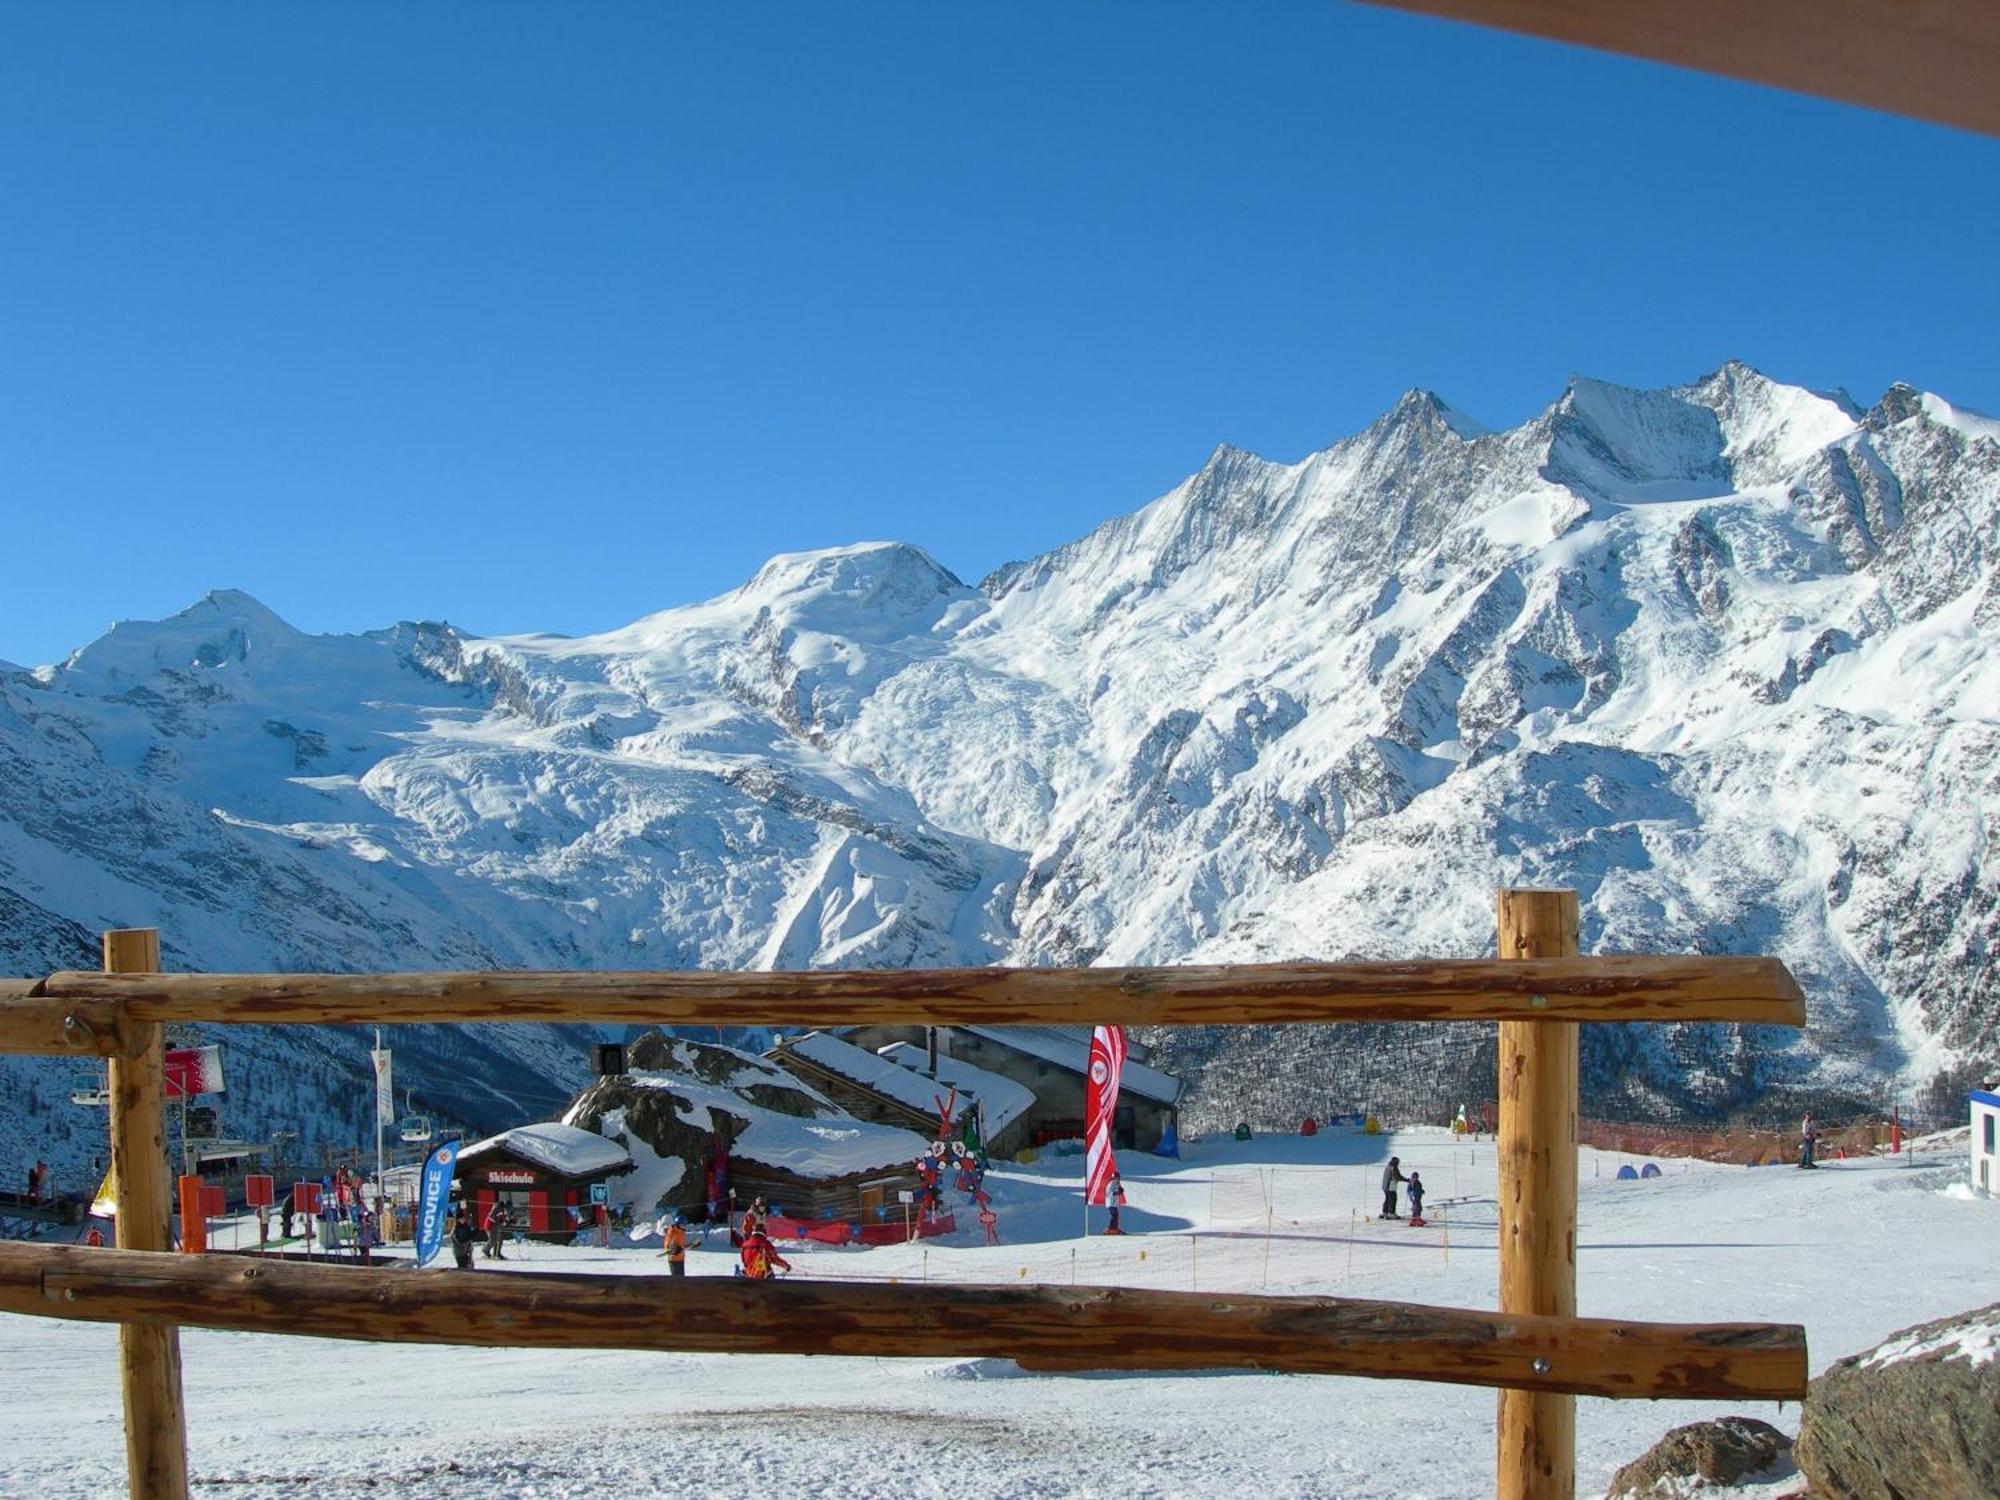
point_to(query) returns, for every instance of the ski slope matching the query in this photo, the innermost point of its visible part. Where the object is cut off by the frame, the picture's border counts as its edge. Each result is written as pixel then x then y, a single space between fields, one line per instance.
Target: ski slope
pixel 1854 1252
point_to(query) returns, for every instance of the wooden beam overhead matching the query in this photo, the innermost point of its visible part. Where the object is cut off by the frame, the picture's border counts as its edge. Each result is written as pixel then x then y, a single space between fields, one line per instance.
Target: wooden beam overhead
pixel 1045 1328
pixel 1936 60
pixel 1755 991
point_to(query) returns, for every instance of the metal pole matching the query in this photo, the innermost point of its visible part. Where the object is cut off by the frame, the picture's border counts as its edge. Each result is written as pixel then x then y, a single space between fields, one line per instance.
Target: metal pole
pixel 378 1127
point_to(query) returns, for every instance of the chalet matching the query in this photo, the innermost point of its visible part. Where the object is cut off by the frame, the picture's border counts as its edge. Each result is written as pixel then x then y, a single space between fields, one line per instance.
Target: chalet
pixel 709 1125
pixel 899 1087
pixel 1049 1061
pixel 543 1173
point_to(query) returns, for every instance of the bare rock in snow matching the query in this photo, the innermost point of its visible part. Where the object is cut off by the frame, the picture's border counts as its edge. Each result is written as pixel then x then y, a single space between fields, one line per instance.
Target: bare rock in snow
pixel 1704 1456
pixel 1915 1418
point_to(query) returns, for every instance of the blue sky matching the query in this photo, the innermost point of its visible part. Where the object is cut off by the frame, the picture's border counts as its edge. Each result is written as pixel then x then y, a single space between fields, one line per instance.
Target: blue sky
pixel 548 317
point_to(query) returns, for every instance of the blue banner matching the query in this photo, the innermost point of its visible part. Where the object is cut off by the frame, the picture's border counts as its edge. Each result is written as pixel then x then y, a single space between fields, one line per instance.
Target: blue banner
pixel 434 1197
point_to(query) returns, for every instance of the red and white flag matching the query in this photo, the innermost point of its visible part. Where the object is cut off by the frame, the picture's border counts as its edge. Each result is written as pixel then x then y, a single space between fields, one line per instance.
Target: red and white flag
pixel 193 1070
pixel 1100 1109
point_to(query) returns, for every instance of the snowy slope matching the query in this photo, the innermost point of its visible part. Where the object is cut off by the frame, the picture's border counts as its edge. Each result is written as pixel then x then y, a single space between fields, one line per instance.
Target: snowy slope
pixel 1854 1253
pixel 1721 656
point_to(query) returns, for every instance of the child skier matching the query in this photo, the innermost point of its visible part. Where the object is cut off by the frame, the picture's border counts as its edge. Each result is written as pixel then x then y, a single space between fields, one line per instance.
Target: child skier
pixel 1391 1175
pixel 463 1238
pixel 1416 1198
pixel 1114 1197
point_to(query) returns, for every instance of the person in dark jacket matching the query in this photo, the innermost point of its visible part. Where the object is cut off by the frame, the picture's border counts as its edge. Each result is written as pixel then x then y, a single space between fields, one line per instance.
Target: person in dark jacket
pixel 463 1238
pixel 1391 1175
pixel 1416 1191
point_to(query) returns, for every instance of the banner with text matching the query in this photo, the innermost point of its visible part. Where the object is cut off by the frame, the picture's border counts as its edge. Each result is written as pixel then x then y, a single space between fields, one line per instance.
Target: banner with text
pixel 433 1197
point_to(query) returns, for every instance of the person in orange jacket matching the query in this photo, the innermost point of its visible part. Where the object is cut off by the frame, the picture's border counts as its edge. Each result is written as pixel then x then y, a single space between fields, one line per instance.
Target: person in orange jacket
pixel 677 1248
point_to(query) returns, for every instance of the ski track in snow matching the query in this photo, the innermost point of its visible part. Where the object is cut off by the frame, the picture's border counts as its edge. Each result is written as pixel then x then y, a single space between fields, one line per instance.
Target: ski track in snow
pixel 1855 1252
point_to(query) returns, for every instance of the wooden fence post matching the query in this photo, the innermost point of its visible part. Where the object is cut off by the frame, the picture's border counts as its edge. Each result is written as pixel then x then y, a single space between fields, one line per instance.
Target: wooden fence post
pixel 1538 1105
pixel 149 1353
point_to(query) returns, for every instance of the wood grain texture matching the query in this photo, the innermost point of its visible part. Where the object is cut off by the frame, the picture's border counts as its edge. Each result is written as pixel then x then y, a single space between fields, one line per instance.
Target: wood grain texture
pixel 1045 1328
pixel 31 1023
pixel 1748 990
pixel 149 1352
pixel 1935 60
pixel 1537 1158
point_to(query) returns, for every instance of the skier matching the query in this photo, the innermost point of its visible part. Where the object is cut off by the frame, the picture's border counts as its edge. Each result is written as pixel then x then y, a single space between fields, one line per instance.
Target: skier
pixel 1808 1139
pixel 754 1217
pixel 760 1255
pixel 677 1248
pixel 1391 1175
pixel 35 1184
pixel 1114 1198
pixel 463 1238
pixel 1416 1198
pixel 496 1231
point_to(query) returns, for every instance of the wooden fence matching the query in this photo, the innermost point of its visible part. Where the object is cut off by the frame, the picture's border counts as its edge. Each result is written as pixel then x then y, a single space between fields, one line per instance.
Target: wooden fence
pixel 1535 1350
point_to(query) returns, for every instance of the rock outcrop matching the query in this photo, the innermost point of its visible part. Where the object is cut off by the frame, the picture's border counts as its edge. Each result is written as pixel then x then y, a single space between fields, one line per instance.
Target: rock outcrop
pixel 1915 1418
pixel 1703 1455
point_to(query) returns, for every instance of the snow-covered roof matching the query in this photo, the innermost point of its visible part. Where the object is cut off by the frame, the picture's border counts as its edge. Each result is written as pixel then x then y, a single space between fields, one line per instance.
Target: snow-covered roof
pixel 826 1148
pixel 1001 1100
pixel 1062 1046
pixel 859 1065
pixel 563 1149
pixel 831 1145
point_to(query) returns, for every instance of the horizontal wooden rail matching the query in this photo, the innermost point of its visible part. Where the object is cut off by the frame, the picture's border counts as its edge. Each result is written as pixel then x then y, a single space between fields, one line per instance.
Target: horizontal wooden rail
pixel 1755 991
pixel 1934 59
pixel 30 1023
pixel 1045 1328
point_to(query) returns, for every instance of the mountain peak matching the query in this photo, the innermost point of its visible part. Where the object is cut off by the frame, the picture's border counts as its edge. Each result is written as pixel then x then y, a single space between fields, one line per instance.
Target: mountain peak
pixel 860 585
pixel 1427 406
pixel 223 627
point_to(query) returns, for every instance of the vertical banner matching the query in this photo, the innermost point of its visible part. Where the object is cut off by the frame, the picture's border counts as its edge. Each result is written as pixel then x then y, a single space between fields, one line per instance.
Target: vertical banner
pixel 1100 1109
pixel 433 1196
pixel 385 1091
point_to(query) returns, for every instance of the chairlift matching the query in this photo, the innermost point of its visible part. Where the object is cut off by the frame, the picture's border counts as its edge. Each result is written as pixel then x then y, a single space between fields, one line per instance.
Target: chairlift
pixel 98 1097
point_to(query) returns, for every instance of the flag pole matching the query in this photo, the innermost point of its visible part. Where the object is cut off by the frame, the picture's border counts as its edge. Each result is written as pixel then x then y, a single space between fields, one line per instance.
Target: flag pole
pixel 378 1126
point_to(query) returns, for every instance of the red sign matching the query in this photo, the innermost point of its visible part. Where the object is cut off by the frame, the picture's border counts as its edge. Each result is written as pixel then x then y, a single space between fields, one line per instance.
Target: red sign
pixel 260 1191
pixel 214 1202
pixel 305 1197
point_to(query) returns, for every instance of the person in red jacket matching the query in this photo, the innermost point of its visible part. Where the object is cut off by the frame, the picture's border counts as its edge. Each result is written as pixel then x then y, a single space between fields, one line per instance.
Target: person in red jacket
pixel 760 1256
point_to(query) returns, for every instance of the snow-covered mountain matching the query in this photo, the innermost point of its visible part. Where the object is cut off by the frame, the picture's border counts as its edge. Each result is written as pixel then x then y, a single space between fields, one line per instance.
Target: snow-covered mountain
pixel 1721 656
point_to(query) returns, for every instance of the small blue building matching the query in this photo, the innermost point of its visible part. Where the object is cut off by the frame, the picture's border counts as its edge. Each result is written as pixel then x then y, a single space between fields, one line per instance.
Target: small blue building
pixel 1985 1142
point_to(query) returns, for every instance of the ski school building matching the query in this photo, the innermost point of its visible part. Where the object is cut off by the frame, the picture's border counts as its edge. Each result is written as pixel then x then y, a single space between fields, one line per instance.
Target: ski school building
pixel 543 1173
